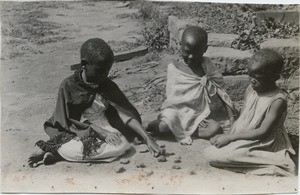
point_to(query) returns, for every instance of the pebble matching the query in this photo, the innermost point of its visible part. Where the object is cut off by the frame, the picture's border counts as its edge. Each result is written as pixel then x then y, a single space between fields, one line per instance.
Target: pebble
pixel 142 165
pixel 34 165
pixel 136 141
pixel 163 146
pixel 124 161
pixel 162 159
pixel 120 170
pixel 192 173
pixel 176 167
pixel 170 154
pixel 148 172
pixel 23 165
pixel 177 161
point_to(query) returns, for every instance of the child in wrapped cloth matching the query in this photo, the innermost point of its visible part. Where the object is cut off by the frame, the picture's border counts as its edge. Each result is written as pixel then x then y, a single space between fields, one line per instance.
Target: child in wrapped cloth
pixel 257 142
pixel 192 83
pixel 90 107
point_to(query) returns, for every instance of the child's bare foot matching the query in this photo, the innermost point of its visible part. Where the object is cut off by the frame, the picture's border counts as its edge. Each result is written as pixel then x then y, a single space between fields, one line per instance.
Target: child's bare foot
pixel 211 129
pixel 36 157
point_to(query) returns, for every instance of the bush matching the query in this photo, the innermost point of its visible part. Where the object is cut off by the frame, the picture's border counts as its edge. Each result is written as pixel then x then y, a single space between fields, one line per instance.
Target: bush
pixel 156 31
pixel 253 35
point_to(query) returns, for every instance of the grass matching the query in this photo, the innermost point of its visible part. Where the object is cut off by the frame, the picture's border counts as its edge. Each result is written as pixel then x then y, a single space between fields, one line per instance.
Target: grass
pixel 23 30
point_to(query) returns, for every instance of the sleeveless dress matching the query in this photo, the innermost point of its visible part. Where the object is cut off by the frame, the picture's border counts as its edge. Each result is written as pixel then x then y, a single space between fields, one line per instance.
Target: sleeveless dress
pixel 73 150
pixel 269 156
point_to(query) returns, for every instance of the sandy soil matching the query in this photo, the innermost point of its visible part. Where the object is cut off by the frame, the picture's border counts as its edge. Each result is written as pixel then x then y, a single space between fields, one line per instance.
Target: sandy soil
pixel 29 87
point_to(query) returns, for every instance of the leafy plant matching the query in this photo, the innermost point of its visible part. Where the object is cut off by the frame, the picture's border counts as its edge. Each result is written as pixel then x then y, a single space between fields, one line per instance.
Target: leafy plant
pixel 253 35
pixel 155 32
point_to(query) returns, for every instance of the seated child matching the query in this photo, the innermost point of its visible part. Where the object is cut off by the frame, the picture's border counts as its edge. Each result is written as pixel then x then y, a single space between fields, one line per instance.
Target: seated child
pixel 191 85
pixel 89 108
pixel 257 143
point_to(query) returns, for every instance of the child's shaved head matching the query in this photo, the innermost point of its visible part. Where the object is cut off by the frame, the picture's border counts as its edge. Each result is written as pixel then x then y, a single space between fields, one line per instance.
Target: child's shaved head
pixel 198 34
pixel 193 45
pixel 268 61
pixel 96 51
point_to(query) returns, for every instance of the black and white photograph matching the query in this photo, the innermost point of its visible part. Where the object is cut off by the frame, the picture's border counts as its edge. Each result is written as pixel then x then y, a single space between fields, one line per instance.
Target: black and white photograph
pixel 149 97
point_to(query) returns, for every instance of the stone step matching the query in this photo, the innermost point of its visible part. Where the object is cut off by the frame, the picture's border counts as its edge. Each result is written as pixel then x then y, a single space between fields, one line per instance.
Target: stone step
pixel 176 27
pixel 228 60
pixel 288 48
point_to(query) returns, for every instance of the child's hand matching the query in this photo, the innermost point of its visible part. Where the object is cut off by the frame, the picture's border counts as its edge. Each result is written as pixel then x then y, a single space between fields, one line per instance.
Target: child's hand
pixel 153 147
pixel 220 140
pixel 113 138
pixel 203 123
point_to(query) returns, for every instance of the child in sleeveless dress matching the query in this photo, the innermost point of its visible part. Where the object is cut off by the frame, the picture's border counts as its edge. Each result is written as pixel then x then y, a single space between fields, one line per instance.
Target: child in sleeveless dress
pixel 257 142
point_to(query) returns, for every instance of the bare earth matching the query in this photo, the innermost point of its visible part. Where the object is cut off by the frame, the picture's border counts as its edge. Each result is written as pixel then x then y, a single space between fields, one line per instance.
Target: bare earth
pixel 29 88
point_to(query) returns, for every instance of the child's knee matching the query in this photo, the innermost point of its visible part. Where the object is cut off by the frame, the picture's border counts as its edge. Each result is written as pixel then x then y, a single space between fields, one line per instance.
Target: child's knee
pixel 158 126
pixel 213 128
pixel 163 127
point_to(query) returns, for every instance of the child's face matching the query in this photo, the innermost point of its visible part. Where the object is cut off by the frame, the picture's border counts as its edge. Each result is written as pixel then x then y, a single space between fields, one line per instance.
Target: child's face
pixel 192 51
pixel 259 80
pixel 96 72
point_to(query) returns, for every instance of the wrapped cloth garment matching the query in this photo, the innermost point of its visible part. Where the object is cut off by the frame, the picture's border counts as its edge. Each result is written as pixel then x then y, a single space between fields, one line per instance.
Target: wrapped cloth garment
pixel 270 156
pixel 188 98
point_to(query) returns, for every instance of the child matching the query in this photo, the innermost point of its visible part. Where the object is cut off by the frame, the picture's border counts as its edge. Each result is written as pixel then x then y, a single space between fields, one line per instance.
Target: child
pixel 258 139
pixel 88 103
pixel 191 85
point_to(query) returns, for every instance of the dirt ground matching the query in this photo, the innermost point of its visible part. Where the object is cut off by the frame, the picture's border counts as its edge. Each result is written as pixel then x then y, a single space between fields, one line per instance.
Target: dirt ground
pixel 31 72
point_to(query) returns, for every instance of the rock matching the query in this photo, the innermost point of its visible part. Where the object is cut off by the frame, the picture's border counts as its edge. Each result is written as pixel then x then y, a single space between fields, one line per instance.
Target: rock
pixel 228 60
pixel 34 165
pixel 162 159
pixel 141 165
pixel 162 146
pixel 221 40
pixel 120 170
pixel 288 48
pixel 192 173
pixel 176 27
pixel 124 161
pixel 170 154
pixel 148 172
pixel 178 157
pixel 177 161
pixel 176 167
pixel 136 141
pixel 89 164
pixel 284 16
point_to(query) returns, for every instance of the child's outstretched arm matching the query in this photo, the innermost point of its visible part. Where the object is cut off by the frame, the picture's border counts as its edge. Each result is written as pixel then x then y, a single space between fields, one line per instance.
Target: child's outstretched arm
pixel 271 118
pixel 152 145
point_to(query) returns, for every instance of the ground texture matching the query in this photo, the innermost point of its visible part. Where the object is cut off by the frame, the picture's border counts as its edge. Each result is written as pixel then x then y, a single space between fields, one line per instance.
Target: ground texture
pixel 35 61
